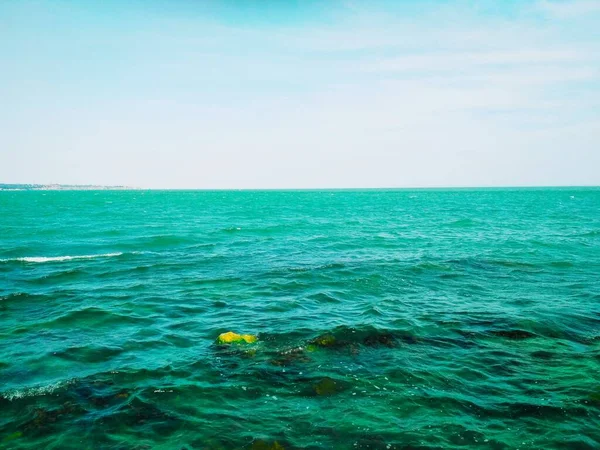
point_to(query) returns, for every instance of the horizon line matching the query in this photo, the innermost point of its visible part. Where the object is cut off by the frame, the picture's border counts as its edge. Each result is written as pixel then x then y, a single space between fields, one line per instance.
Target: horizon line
pixel 94 187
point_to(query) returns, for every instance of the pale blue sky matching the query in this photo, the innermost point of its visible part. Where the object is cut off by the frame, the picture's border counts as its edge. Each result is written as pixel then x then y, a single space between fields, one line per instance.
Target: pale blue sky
pixel 258 94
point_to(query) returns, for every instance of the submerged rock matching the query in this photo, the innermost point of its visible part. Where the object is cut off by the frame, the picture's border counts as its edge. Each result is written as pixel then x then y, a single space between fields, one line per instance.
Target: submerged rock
pixel 233 338
pixel 263 445
pixel 542 354
pixel 380 339
pixel 374 443
pixel 327 340
pixel 289 357
pixel 122 395
pixel 352 338
pixel 514 334
pixel 594 398
pixel 329 386
pixel 13 436
pixel 45 419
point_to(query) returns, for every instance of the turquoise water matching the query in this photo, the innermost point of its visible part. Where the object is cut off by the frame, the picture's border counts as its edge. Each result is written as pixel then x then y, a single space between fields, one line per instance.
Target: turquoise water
pixel 406 319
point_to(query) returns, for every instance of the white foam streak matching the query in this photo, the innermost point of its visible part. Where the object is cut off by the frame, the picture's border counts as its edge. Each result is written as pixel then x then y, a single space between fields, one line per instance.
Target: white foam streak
pixel 43 259
pixel 34 391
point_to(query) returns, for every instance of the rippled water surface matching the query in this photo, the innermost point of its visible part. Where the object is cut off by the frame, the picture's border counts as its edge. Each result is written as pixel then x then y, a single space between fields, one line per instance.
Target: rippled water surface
pixel 385 319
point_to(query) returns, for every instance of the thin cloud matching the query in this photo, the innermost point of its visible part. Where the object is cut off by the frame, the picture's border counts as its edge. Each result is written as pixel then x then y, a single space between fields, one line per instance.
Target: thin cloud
pixel 463 60
pixel 570 9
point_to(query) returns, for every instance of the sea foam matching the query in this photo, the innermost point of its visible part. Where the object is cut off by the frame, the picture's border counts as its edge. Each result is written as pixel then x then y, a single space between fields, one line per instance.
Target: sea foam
pixel 43 259
pixel 36 391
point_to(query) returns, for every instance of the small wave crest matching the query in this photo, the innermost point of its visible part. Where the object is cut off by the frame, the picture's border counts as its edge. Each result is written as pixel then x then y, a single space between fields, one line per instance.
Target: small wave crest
pixel 463 223
pixel 43 259
pixel 36 391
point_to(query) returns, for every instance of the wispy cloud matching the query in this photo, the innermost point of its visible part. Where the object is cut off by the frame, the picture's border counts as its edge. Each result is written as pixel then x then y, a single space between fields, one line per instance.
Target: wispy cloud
pixel 443 61
pixel 569 9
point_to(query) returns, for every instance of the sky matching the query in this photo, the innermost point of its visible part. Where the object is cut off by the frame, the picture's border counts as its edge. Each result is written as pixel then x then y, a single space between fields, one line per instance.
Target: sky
pixel 238 94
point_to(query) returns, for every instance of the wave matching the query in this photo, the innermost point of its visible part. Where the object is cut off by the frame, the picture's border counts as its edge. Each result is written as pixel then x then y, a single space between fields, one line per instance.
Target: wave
pixel 43 259
pixel 36 391
pixel 592 233
pixel 23 297
pixel 463 223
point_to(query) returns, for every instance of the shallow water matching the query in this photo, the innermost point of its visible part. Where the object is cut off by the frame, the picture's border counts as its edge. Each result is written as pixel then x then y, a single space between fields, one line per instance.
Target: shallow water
pixel 385 319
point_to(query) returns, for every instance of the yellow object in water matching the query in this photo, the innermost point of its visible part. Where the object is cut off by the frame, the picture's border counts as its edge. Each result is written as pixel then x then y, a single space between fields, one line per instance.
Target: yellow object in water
pixel 230 338
pixel 262 445
pixel 325 341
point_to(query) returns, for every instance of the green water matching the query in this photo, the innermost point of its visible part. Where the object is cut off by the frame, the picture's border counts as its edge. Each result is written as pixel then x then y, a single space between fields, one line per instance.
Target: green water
pixel 385 319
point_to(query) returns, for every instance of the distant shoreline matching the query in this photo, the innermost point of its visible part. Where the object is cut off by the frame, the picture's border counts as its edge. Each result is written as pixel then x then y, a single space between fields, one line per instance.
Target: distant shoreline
pixel 65 187
pixel 62 187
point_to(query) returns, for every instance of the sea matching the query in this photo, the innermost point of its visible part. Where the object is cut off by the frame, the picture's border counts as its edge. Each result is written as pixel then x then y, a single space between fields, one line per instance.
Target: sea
pixel 384 319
